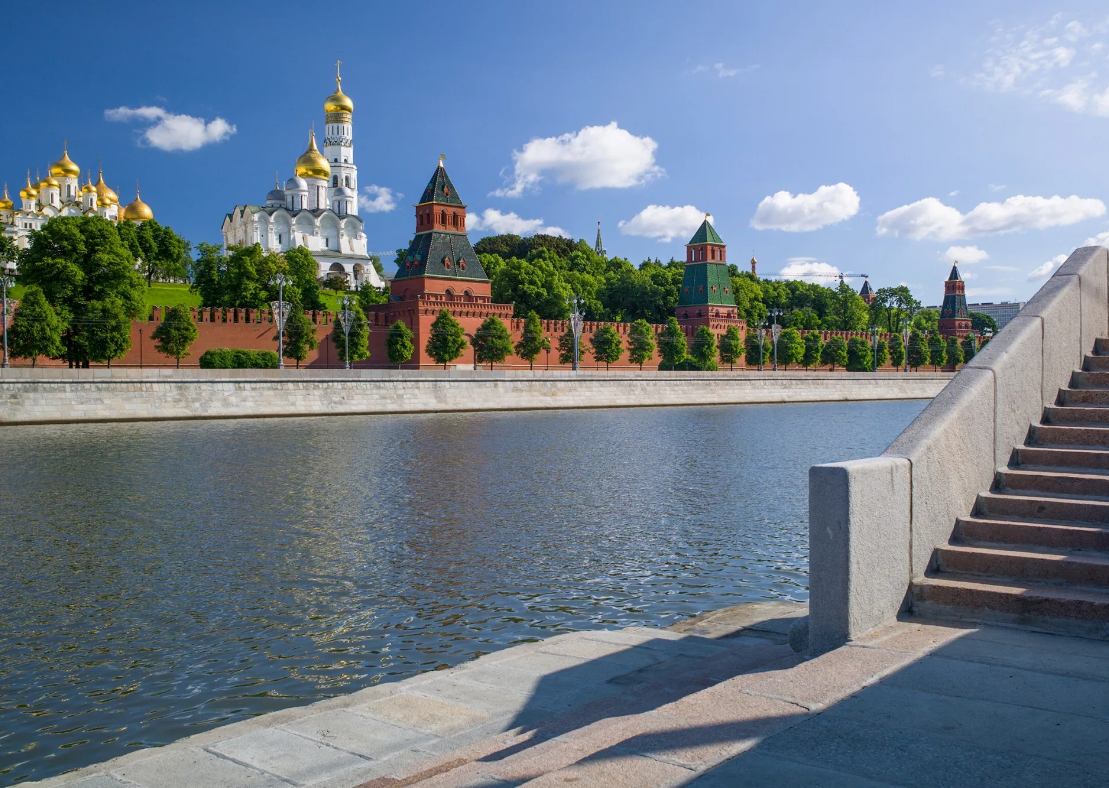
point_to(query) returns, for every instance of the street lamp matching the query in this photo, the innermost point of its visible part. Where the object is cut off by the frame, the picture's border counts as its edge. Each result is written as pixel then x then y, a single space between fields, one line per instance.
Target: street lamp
pixel 874 345
pixel 775 329
pixel 345 320
pixel 280 311
pixel 762 333
pixel 576 317
pixel 5 282
pixel 140 348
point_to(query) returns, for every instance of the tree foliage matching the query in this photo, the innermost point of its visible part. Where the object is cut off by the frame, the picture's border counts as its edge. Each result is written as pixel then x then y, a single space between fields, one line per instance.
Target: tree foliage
pixel 398 345
pixel 357 343
pixel 703 353
pixel 757 353
pixel 791 348
pixel 641 342
pixel 897 350
pixel 849 311
pixel 606 345
pixel 672 347
pixel 980 321
pixel 883 353
pixel 954 351
pixel 176 333
pixel 158 250
pixel 532 340
pixel 918 350
pixel 446 340
pixel 566 348
pixel 970 347
pixel 299 336
pixel 36 329
pixel 937 351
pixel 731 347
pixel 834 353
pixel 814 344
pixel 491 342
pixel 859 355
pixel 927 321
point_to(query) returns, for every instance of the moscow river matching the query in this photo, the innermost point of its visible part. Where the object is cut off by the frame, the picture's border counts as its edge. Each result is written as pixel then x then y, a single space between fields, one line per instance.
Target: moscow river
pixel 161 579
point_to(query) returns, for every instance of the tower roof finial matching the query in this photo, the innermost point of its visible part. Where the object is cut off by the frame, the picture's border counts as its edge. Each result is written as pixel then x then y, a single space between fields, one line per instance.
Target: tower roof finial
pixel 442 158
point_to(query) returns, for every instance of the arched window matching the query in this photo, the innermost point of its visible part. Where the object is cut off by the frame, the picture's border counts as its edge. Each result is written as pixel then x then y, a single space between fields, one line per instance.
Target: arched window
pixel 346 181
pixel 450 291
pixel 334 180
pixel 443 218
pixel 454 219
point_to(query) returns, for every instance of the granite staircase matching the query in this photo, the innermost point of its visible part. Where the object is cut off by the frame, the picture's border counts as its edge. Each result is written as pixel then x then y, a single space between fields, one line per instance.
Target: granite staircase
pixel 1035 550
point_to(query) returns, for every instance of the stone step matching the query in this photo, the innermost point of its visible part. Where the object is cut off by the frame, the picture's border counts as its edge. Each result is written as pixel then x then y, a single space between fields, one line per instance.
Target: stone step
pixel 1057 435
pixel 1043 564
pixel 1084 397
pixel 1072 414
pixel 1089 380
pixel 1041 457
pixel 1101 347
pixel 1033 507
pixel 1053 482
pixel 1074 536
pixel 1095 363
pixel 1037 604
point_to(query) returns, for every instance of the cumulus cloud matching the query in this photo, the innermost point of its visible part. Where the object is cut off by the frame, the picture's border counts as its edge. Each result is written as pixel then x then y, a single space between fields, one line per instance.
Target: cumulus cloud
pixel 804 212
pixel 965 254
pixel 664 222
pixel 1101 239
pixel 503 223
pixel 930 219
pixel 596 157
pixel 172 132
pixel 378 199
pixel 1048 268
pixel 723 72
pixel 809 269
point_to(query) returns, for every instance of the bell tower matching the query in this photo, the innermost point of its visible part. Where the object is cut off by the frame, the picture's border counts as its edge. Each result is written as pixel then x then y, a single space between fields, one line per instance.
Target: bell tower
pixel 338 145
pixel 706 286
pixel 954 317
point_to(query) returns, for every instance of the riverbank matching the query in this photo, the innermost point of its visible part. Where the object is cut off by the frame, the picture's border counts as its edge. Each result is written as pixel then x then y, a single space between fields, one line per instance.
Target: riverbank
pixel 51 396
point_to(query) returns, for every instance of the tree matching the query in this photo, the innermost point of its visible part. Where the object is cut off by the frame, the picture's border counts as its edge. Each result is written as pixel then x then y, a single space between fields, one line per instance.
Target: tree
pixel 970 349
pixel 606 345
pixel 159 251
pixel 927 321
pixel 398 346
pixel 357 342
pixel 814 344
pixel 849 311
pixel 752 355
pixel 883 353
pixel 897 351
pixel 892 308
pixel 176 333
pixel 937 351
pixel 918 350
pixel 368 295
pixel 566 348
pixel 533 285
pixel 532 341
pixel 980 321
pixel 492 343
pixel 641 342
pixel 672 346
pixel 36 329
pixel 731 346
pixel 954 351
pixel 791 348
pixel 703 354
pixel 9 252
pixel 209 272
pixel 335 282
pixel 446 341
pixel 300 336
pixel 303 269
pixel 106 333
pixel 859 356
pixel 834 353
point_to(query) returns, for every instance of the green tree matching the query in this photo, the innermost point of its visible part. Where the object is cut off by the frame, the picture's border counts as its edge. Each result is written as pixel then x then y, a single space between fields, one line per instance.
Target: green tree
pixel 492 343
pixel 834 353
pixel 533 285
pixel 36 329
pixel 566 348
pixel 358 341
pixel 954 351
pixel 672 347
pixel 9 252
pixel 752 354
pixel 303 269
pixel 106 331
pixel 937 351
pixel 447 340
pixel 883 353
pixel 927 321
pixel 159 252
pixel 918 350
pixel 859 355
pixel 892 308
pixel 532 341
pixel 398 345
pixel 335 282
pixel 980 321
pixel 641 342
pixel 897 350
pixel 606 345
pixel 970 349
pixel 849 311
pixel 731 347
pixel 300 336
pixel 176 333
pixel 814 344
pixel 209 274
pixel 703 354
pixel 791 348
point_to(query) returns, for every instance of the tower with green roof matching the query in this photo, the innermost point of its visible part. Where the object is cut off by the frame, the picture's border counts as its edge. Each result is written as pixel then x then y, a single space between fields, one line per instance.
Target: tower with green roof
pixel 706 297
pixel 954 316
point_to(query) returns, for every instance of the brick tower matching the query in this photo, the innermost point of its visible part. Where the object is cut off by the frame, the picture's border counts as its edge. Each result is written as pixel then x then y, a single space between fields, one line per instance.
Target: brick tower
pixel 706 296
pixel 866 293
pixel 954 318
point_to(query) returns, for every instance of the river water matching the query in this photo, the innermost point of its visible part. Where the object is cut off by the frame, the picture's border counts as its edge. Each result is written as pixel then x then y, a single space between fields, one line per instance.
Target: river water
pixel 160 579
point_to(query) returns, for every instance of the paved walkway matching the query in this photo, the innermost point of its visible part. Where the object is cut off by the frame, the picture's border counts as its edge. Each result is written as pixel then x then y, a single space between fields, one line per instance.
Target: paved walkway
pixel 716 701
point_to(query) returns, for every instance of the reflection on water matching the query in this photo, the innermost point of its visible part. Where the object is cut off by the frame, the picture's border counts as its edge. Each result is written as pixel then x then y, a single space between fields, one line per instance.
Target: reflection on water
pixel 160 579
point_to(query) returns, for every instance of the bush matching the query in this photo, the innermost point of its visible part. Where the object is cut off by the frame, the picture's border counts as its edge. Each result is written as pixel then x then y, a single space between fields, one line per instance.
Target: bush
pixel 236 358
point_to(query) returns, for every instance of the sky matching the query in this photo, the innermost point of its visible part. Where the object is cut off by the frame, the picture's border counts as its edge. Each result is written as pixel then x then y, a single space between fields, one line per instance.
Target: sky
pixel 885 139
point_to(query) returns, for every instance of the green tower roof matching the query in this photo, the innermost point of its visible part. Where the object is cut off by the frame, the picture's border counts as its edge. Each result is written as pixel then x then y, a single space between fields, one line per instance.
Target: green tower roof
pixel 704 284
pixel 705 235
pixel 440 189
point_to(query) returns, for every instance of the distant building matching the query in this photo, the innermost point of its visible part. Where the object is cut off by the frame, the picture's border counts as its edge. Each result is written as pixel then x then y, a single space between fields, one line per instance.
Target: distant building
pixel 599 247
pixel 706 297
pixel 954 316
pixel 866 293
pixel 1002 313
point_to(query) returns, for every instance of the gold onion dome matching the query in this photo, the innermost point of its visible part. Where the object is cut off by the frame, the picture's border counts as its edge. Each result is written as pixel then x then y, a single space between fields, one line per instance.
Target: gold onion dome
pixel 64 167
pixel 88 188
pixel 6 203
pixel 29 192
pixel 137 211
pixel 338 101
pixel 49 183
pixel 105 196
pixel 312 164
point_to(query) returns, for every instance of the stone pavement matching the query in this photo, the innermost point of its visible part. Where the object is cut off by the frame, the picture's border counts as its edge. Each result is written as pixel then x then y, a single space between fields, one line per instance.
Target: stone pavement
pixel 720 700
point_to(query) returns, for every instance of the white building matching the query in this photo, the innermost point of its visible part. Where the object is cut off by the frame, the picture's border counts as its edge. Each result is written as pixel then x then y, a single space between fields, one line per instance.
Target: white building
pixel 318 208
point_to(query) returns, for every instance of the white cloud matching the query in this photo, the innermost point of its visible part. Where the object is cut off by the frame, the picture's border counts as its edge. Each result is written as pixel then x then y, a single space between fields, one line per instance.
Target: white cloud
pixel 664 222
pixel 503 223
pixel 1039 272
pixel 1101 239
pixel 804 212
pixel 953 194
pixel 378 199
pixel 966 254
pixel 930 219
pixel 937 71
pixel 172 132
pixel 722 72
pixel 995 188
pixel 810 270
pixel 596 157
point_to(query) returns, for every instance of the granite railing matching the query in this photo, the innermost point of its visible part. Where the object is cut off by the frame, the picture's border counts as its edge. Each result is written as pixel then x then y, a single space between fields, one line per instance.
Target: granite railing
pixel 875 523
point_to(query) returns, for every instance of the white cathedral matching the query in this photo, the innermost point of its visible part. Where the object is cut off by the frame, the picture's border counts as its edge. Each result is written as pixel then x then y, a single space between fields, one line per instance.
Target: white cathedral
pixel 318 208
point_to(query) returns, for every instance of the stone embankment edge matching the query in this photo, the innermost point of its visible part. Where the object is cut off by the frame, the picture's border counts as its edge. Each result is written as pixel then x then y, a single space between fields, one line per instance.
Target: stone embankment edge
pixel 127 395
pixel 874 524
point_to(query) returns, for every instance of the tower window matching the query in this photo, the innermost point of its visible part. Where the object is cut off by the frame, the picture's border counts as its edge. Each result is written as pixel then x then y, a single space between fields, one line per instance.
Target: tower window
pixel 334 180
pixel 346 180
pixel 443 218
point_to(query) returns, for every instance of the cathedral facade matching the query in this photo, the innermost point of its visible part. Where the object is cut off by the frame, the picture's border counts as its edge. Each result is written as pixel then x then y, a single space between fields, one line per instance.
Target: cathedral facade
pixel 317 208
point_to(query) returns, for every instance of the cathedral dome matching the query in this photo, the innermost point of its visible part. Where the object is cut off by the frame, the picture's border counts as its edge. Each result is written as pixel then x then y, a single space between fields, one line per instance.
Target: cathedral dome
pixel 296 184
pixel 64 167
pixel 105 195
pixel 338 101
pixel 276 195
pixel 6 203
pixel 88 188
pixel 137 211
pixel 312 164
pixel 343 191
pixel 49 183
pixel 30 191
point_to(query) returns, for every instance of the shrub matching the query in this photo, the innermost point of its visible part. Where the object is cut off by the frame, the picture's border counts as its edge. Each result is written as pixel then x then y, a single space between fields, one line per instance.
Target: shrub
pixel 237 358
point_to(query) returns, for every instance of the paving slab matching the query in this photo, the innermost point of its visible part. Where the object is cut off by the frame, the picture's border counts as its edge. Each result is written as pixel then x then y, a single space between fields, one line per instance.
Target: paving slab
pixel 427 715
pixel 287 755
pixel 363 736
pixel 194 766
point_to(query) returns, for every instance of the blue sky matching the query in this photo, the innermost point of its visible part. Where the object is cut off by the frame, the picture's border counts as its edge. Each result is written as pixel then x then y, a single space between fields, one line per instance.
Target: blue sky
pixel 866 137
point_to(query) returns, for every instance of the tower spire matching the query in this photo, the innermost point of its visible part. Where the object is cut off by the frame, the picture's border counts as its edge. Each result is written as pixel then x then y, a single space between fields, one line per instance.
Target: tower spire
pixel 599 247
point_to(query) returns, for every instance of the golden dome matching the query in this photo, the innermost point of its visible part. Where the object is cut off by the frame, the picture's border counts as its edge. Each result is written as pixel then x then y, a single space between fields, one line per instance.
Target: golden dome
pixel 6 203
pixel 49 183
pixel 137 211
pixel 88 188
pixel 105 196
pixel 312 164
pixel 64 167
pixel 29 192
pixel 338 101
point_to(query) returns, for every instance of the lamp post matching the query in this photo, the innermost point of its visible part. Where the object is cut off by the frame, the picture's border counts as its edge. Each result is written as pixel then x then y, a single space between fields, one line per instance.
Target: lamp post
pixel 575 324
pixel 762 333
pixel 5 282
pixel 775 329
pixel 905 344
pixel 140 348
pixel 279 310
pixel 345 317
pixel 874 346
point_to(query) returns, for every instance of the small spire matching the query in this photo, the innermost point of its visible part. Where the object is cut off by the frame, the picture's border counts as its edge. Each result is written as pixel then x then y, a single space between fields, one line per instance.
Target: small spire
pixel 338 78
pixel 276 179
pixel 136 188
pixel 442 158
